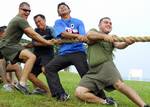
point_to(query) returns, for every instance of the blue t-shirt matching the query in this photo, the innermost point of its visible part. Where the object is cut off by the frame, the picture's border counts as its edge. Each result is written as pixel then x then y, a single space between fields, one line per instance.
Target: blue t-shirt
pixel 71 25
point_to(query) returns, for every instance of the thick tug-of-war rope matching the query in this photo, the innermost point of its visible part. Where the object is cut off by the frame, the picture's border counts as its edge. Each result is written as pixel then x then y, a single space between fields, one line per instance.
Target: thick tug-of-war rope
pixel 136 39
pixel 70 40
pixel 116 39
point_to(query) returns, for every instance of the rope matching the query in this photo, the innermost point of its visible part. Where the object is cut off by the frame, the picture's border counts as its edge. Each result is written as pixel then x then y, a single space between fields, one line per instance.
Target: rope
pixel 116 39
pixel 69 40
pixel 136 39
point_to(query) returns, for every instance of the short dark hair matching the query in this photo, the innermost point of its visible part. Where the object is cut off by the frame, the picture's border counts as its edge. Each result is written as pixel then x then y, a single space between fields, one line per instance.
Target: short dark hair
pixel 62 3
pixel 24 3
pixel 104 18
pixel 41 15
pixel 2 28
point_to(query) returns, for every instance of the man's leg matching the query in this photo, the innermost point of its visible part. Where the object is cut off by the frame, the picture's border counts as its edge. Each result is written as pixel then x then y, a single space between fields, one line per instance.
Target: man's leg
pixel 3 70
pixel 40 87
pixel 86 95
pixel 80 61
pixel 38 83
pixel 14 68
pixel 129 92
pixel 51 71
pixel 6 86
pixel 9 77
pixel 29 59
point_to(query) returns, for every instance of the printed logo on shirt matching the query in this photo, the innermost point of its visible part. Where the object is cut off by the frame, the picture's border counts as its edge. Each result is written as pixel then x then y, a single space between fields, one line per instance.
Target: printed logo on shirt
pixel 72 26
pixel 71 30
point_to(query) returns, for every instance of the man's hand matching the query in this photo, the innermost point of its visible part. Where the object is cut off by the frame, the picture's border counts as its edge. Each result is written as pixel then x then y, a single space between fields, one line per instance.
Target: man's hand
pixel 109 38
pixel 82 38
pixel 57 41
pixel 51 42
pixel 129 40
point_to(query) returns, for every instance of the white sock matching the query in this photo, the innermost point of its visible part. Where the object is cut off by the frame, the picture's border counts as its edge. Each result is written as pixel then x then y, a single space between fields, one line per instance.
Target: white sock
pixel 22 83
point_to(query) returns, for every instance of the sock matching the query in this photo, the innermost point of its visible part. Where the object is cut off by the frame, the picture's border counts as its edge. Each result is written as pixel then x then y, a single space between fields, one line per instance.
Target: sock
pixel 22 83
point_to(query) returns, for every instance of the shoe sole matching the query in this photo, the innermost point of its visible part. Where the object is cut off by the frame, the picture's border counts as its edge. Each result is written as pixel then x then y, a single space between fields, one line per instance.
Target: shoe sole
pixel 18 89
pixel 67 98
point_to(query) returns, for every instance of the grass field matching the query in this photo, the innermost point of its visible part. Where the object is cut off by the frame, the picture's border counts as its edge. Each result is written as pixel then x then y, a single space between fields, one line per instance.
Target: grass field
pixel 70 81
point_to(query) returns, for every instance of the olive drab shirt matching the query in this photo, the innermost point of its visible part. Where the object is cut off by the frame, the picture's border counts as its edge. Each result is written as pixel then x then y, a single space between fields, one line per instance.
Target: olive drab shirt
pixel 14 31
pixel 99 52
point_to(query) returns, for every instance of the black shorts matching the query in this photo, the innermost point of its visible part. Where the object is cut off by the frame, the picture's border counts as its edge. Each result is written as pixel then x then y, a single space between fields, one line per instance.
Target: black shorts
pixel 1 56
pixel 40 61
pixel 37 68
pixel 17 59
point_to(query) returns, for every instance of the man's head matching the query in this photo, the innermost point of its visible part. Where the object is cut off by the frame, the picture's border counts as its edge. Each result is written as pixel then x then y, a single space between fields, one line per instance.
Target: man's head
pixel 63 9
pixel 24 9
pixel 2 30
pixel 105 25
pixel 40 21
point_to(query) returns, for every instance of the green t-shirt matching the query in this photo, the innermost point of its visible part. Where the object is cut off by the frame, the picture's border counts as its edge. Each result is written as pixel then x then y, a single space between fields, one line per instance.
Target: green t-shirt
pixel 14 31
pixel 99 52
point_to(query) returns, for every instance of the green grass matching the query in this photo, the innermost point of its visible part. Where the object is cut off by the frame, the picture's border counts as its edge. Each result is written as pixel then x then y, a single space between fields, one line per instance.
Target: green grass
pixel 70 81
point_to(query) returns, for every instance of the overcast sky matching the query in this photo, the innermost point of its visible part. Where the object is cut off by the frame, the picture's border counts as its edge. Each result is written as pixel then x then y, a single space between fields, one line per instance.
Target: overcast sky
pixel 129 17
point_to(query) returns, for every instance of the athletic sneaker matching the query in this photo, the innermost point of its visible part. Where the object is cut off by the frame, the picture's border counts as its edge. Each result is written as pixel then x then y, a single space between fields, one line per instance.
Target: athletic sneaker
pixel 39 91
pixel 8 87
pixel 110 101
pixel 22 89
pixel 63 97
pixel 147 105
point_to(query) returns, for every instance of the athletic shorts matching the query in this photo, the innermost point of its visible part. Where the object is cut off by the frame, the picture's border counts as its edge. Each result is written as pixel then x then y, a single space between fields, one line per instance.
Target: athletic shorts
pixel 103 76
pixel 11 52
pixel 1 56
pixel 40 61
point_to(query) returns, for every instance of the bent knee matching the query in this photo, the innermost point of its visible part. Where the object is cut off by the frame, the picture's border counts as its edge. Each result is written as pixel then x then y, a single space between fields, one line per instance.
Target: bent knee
pixel 26 55
pixel 51 68
pixel 80 91
pixel 33 57
pixel 119 85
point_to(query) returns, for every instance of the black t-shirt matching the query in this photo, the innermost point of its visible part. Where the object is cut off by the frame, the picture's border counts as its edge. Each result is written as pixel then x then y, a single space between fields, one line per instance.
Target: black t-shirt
pixel 48 34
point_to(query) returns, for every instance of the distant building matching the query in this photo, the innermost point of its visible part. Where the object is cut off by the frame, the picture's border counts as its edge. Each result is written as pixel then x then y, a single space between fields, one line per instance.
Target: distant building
pixel 135 74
